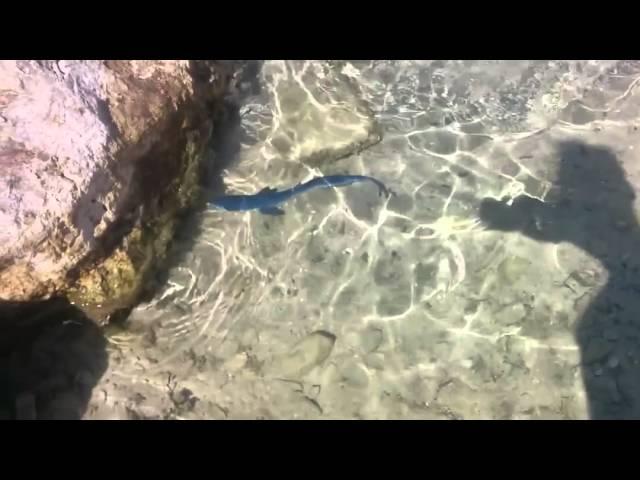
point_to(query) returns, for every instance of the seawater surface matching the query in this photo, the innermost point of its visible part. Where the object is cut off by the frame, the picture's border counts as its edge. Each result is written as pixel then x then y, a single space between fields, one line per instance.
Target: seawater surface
pixel 497 283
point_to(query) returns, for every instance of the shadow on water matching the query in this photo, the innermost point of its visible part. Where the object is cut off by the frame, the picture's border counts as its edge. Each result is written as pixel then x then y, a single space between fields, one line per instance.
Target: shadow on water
pixel 592 208
pixel 51 358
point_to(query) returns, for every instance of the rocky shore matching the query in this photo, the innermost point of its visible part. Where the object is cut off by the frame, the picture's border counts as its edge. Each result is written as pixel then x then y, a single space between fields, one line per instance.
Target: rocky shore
pixel 98 159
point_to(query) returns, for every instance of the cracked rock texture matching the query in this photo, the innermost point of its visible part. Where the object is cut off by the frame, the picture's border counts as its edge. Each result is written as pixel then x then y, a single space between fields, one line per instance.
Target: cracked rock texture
pixel 96 160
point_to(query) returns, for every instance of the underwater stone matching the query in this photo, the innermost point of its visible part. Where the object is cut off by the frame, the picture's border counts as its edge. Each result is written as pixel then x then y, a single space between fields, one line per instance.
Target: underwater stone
pixel 511 315
pixel 355 375
pixel 401 203
pixel 439 142
pixel 512 268
pixel 312 127
pixel 371 339
pixel 577 114
pixel 587 277
pixel 388 271
pixel 63 406
pixel 249 338
pixel 375 361
pixel 310 352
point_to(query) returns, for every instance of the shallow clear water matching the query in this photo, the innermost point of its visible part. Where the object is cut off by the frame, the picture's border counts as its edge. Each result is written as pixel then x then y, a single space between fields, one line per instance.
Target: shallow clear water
pixel 438 302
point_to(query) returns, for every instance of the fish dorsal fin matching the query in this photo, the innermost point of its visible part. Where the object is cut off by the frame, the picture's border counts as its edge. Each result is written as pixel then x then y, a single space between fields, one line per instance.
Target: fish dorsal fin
pixel 267 190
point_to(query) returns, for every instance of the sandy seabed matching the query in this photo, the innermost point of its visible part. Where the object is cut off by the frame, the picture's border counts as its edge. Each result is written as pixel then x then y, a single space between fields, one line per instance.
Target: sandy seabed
pixel 497 283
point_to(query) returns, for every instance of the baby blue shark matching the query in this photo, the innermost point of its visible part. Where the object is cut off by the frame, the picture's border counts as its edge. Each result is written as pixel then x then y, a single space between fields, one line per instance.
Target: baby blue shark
pixel 268 199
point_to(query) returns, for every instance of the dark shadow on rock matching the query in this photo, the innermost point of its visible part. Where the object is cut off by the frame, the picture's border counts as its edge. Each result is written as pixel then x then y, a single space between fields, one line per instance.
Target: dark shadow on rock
pixel 591 207
pixel 224 152
pixel 229 134
pixel 51 358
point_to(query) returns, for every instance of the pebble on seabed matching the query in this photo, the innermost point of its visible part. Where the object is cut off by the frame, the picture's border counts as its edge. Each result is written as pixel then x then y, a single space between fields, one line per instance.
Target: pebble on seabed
pixel 375 361
pixel 355 375
pixel 513 267
pixel 308 353
pixel 613 362
pixel 371 339
pixel 249 338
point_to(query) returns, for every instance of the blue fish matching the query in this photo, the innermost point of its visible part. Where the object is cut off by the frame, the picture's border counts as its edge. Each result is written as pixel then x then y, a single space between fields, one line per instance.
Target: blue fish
pixel 267 200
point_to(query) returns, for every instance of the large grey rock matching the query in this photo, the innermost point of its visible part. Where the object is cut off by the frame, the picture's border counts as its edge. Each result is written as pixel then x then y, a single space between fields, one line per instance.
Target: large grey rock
pixel 96 158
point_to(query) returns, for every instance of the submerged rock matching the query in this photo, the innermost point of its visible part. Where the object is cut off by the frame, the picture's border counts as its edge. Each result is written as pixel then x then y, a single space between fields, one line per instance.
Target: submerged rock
pixel 371 339
pixel 513 268
pixel 355 375
pixel 321 115
pixel 96 159
pixel 310 352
